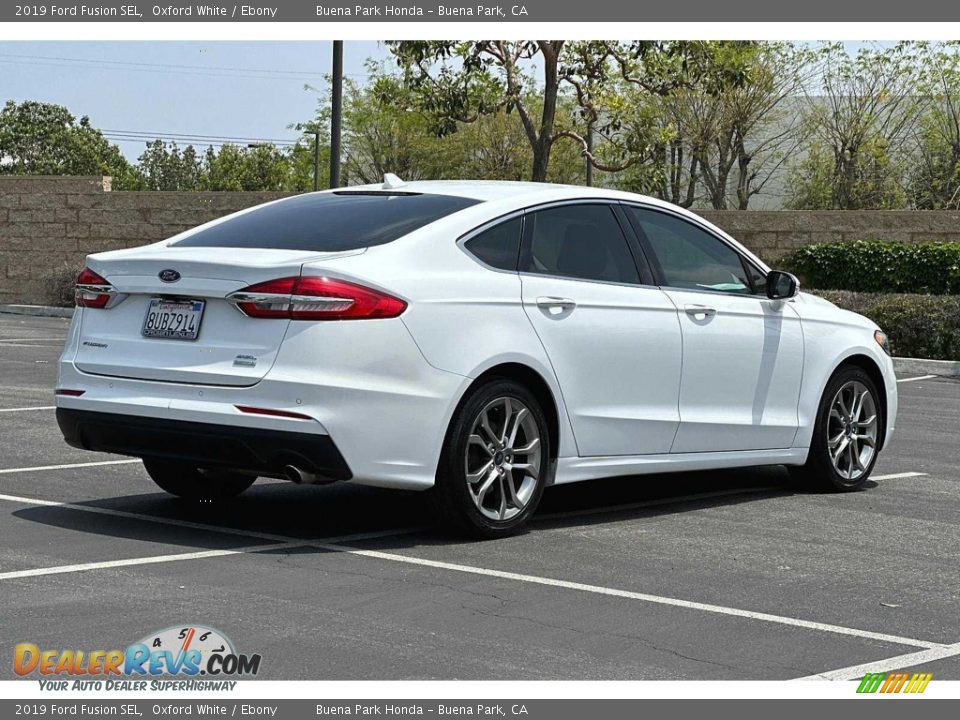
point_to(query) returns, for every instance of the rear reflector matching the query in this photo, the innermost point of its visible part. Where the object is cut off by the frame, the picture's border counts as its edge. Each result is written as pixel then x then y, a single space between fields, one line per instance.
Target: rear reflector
pixel 271 412
pixel 68 392
pixel 92 291
pixel 316 298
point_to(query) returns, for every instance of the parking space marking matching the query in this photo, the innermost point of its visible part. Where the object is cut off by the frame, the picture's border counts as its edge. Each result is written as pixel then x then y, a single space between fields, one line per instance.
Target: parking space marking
pixel 26 409
pixel 898 476
pixel 335 545
pixel 151 560
pixel 67 466
pixel 643 597
pixel 33 339
pixel 855 672
pixel 914 379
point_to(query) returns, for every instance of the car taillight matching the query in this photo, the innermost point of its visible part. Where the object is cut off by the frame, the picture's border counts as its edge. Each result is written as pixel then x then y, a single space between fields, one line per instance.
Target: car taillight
pixel 92 291
pixel 316 298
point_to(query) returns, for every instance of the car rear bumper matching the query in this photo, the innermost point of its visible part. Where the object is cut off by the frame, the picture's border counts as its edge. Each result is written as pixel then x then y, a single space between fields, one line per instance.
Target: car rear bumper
pixel 205 444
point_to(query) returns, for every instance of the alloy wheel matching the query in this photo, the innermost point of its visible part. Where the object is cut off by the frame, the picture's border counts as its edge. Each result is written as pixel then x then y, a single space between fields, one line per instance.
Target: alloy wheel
pixel 503 458
pixel 852 430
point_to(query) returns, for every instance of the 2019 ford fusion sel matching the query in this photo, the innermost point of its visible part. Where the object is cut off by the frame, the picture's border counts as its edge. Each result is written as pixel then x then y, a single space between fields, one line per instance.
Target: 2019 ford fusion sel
pixel 477 340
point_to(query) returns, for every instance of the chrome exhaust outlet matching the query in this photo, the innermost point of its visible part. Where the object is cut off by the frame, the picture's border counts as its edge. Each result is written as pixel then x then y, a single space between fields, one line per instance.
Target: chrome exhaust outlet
pixel 300 476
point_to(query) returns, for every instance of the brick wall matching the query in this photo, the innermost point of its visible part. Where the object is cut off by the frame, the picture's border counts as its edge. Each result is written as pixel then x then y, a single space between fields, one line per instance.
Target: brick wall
pixel 49 224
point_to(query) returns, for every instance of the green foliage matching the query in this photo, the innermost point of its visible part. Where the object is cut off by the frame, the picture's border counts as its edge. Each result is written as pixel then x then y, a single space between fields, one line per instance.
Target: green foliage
pixel 39 138
pixel 875 266
pixel 922 326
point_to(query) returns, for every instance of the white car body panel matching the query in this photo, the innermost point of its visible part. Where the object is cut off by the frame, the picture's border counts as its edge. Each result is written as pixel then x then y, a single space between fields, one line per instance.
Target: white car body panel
pixel 742 370
pixel 629 338
pixel 639 386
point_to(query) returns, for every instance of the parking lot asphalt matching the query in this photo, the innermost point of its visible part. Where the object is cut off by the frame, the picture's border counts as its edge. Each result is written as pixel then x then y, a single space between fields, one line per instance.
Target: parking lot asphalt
pixel 720 575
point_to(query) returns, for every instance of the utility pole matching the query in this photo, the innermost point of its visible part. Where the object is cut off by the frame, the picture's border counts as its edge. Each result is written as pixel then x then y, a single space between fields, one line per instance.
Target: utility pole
pixel 316 160
pixel 336 114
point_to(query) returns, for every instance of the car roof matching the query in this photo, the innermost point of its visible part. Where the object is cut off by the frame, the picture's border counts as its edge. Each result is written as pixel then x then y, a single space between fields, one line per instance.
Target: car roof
pixel 492 190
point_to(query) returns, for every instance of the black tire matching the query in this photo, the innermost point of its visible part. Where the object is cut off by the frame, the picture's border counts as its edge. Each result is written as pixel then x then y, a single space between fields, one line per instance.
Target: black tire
pixel 454 501
pixel 819 473
pixel 192 483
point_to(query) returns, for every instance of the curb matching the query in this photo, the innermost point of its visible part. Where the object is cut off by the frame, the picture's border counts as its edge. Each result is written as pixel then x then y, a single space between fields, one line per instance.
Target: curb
pixel 913 366
pixel 37 310
pixel 921 366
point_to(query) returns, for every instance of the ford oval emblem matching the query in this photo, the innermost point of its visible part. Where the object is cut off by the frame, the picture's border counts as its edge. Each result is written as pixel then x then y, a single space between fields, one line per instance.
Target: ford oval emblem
pixel 168 275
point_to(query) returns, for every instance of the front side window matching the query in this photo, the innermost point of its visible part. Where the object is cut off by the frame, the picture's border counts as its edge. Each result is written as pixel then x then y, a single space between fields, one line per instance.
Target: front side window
pixel 497 246
pixel 579 241
pixel 689 256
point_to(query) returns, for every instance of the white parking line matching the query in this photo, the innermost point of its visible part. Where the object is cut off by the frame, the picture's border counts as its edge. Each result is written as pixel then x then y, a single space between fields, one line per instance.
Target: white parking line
pixel 26 409
pixel 37 339
pixel 914 379
pixel 67 466
pixel 898 476
pixel 855 672
pixel 151 560
pixel 335 545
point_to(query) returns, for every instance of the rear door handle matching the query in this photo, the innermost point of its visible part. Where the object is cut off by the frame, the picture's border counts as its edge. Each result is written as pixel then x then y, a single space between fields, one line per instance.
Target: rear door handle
pixel 550 302
pixel 699 310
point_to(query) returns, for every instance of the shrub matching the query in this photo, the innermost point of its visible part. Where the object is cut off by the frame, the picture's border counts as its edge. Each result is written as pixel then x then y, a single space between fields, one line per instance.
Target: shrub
pixel 923 326
pixel 60 283
pixel 878 267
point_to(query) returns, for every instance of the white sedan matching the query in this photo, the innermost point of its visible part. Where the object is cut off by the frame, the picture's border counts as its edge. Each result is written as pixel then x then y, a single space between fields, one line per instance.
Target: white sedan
pixel 477 340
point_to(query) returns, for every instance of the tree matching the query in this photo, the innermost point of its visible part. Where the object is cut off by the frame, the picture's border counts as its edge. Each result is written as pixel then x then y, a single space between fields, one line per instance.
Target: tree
pixel 742 132
pixel 860 116
pixel 259 167
pixel 934 180
pixel 167 167
pixel 460 82
pixel 45 139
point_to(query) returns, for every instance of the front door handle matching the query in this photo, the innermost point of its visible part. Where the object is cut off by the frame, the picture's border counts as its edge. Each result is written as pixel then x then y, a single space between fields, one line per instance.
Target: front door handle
pixel 550 302
pixel 699 311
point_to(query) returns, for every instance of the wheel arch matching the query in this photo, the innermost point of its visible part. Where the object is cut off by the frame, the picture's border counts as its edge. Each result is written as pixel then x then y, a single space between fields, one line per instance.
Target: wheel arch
pixel 537 384
pixel 870 367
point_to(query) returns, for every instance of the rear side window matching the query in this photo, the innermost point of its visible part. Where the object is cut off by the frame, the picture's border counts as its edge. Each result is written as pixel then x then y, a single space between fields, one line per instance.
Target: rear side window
pixel 579 241
pixel 498 246
pixel 329 222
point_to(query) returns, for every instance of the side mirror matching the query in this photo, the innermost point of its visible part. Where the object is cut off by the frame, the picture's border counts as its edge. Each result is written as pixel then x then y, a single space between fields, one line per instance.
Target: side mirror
pixel 782 285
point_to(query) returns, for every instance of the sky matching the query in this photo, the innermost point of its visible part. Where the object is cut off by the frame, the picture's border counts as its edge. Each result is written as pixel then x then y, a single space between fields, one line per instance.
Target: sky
pixel 252 90
pixel 248 90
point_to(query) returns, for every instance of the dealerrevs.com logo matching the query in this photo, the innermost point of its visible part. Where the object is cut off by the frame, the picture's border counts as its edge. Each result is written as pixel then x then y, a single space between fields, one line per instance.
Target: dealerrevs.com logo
pixel 187 652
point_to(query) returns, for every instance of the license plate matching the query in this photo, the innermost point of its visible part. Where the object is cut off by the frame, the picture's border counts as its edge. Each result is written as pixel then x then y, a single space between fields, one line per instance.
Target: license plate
pixel 173 319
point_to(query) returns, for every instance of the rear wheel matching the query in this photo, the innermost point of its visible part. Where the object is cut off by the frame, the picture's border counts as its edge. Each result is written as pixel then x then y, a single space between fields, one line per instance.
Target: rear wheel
pixel 192 483
pixel 847 434
pixel 495 462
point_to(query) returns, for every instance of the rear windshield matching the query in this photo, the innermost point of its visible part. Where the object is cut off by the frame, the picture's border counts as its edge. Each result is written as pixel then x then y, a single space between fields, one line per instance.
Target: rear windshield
pixel 329 222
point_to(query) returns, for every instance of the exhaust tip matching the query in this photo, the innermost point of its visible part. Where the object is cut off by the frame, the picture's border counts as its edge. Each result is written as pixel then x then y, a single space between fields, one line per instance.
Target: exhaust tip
pixel 295 474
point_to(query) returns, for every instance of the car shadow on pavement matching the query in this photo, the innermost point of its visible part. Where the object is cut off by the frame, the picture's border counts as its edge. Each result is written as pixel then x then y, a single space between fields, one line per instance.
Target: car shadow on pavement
pixel 400 519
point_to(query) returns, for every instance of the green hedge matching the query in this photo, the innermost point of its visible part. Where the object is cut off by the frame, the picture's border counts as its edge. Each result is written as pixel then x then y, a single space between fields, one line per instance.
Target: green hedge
pixel 920 326
pixel 878 267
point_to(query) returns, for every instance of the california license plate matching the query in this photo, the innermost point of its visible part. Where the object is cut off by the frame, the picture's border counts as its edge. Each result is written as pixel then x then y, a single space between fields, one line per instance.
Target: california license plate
pixel 173 319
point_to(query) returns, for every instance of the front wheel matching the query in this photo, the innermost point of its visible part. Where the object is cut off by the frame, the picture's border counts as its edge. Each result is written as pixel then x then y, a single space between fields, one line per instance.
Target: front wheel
pixel 192 483
pixel 495 462
pixel 847 434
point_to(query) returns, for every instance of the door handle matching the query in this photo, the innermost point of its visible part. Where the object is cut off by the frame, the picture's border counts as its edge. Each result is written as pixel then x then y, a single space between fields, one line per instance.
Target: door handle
pixel 549 302
pixel 698 310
